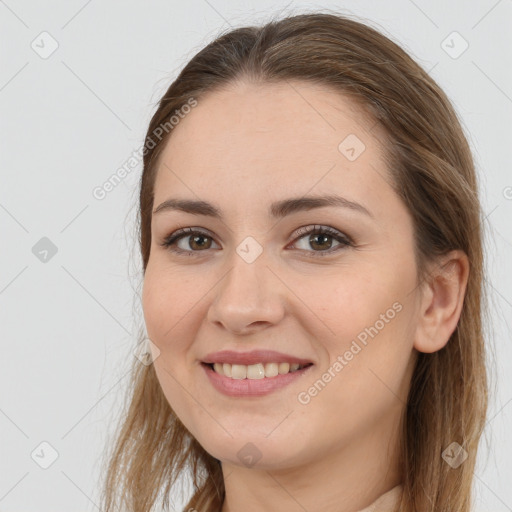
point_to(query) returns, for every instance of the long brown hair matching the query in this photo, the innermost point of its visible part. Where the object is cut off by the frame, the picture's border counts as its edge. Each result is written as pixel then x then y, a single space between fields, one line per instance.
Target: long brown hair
pixel 433 172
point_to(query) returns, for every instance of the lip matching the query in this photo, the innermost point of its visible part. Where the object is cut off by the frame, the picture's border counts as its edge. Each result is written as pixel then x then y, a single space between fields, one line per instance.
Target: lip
pixel 252 387
pixel 252 357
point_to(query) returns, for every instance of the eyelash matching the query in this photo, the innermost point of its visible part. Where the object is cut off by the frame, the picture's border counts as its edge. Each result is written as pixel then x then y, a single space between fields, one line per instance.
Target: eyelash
pixel 345 241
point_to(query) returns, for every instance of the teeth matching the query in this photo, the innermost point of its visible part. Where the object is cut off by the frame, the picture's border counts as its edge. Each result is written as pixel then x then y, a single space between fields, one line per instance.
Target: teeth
pixel 226 370
pixel 284 368
pixel 255 371
pixel 238 371
pixel 271 370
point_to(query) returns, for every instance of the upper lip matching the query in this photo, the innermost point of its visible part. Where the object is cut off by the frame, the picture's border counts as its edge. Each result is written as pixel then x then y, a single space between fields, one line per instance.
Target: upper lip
pixel 252 357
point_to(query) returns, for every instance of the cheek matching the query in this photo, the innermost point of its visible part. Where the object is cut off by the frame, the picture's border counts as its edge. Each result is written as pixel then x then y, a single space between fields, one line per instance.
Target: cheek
pixel 170 317
pixel 367 376
pixel 370 318
pixel 168 304
pixel 357 304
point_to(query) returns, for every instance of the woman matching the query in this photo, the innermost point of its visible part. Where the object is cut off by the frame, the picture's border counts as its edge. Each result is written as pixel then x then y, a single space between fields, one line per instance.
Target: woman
pixel 311 245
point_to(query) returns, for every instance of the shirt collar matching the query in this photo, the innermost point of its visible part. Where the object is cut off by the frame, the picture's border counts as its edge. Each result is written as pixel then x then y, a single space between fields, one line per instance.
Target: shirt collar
pixel 386 502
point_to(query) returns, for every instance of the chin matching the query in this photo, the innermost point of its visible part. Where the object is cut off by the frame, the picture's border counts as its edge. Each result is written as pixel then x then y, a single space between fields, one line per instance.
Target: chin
pixel 255 452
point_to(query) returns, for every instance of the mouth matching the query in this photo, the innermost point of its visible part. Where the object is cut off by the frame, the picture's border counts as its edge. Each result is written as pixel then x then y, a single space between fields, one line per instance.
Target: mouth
pixel 255 380
pixel 255 371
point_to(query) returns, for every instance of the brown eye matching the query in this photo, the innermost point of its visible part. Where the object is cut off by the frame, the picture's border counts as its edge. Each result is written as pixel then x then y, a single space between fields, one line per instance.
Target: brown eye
pixel 320 239
pixel 197 241
pixel 193 241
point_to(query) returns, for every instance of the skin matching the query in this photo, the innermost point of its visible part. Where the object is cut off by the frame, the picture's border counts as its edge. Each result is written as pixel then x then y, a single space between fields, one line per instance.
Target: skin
pixel 241 149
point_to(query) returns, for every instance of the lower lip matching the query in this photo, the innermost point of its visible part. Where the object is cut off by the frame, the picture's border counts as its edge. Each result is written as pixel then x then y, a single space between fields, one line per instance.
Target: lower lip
pixel 251 387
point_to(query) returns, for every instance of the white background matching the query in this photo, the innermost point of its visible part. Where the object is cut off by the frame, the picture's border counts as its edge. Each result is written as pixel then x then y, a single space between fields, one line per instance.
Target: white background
pixel 69 121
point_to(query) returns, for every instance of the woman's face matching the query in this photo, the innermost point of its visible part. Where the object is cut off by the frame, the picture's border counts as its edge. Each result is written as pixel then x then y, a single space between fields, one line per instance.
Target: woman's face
pixel 256 279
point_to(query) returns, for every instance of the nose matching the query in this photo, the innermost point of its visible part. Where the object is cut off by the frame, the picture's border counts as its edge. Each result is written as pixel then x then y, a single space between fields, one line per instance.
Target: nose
pixel 248 298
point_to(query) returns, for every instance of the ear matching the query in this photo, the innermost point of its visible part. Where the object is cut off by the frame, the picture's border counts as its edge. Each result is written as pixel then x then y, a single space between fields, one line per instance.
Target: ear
pixel 441 302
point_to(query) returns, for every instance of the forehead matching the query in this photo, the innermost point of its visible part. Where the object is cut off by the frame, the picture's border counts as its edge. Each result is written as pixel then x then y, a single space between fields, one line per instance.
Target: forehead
pixel 256 141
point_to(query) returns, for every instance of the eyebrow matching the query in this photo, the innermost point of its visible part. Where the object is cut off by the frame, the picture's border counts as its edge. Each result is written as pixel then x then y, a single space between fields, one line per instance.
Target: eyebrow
pixel 278 209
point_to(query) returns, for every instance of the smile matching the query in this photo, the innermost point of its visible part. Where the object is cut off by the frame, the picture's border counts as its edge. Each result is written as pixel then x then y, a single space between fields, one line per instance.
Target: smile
pixel 246 386
pixel 255 371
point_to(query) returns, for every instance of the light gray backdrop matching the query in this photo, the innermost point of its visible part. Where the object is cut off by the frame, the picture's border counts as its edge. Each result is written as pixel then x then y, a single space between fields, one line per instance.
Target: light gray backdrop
pixel 78 84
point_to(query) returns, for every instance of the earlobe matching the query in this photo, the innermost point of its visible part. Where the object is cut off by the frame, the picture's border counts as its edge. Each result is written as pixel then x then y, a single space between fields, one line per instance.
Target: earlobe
pixel 441 302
